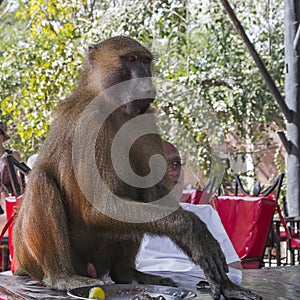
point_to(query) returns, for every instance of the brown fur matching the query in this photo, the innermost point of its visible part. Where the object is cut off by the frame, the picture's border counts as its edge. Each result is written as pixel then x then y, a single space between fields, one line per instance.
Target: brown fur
pixel 58 232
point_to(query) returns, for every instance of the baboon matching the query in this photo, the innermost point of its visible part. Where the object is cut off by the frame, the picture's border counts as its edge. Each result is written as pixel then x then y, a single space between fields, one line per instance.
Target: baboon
pixel 78 209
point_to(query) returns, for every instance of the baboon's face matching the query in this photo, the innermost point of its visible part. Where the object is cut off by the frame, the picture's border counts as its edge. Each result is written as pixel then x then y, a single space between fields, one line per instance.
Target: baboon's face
pixel 125 60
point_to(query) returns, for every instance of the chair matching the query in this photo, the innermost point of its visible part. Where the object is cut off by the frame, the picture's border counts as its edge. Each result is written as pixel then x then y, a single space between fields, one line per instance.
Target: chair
pixel 5 265
pixel 293 240
pixel 257 188
pixel 247 219
pixel 293 246
pixel 204 195
pixel 6 243
pixel 12 163
pixel 284 236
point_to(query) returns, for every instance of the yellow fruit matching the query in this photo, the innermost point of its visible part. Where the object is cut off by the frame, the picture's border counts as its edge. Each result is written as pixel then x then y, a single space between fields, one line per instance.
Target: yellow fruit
pixel 96 293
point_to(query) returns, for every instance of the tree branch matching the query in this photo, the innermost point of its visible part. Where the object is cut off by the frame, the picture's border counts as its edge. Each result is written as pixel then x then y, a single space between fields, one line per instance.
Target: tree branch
pixel 264 72
pixel 285 142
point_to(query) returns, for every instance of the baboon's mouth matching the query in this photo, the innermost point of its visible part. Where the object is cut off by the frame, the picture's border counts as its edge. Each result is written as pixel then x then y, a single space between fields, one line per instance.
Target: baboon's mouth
pixel 138 107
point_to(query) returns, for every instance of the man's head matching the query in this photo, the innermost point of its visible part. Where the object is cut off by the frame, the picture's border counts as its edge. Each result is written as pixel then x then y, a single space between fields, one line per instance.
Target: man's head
pixel 174 162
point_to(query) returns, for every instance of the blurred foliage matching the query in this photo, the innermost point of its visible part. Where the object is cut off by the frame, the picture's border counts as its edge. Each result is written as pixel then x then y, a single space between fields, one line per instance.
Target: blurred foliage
pixel 209 88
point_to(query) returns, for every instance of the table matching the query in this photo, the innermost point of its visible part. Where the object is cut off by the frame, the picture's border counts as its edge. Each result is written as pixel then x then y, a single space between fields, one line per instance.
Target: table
pixel 280 283
pixel 271 283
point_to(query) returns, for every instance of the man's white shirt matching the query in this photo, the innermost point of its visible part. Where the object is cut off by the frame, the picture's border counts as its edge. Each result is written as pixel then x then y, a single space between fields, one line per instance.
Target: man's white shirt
pixel 161 254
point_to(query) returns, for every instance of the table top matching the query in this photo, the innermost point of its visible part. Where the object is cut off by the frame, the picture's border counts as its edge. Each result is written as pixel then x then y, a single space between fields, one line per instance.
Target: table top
pixel 244 198
pixel 274 282
pixel 271 283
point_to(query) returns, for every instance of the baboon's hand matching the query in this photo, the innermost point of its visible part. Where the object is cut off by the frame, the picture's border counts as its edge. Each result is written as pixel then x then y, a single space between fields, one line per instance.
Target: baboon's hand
pixel 214 265
pixel 212 259
pixel 231 291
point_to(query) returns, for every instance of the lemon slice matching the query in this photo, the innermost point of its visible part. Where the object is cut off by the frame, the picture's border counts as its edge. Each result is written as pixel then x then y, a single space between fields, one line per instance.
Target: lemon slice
pixel 96 293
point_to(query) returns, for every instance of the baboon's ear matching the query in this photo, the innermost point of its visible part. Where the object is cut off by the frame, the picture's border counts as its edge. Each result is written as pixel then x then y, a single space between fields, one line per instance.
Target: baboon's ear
pixel 91 53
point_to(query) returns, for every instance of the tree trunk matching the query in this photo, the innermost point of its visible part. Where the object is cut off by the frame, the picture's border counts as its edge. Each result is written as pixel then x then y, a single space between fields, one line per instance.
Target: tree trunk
pixel 292 93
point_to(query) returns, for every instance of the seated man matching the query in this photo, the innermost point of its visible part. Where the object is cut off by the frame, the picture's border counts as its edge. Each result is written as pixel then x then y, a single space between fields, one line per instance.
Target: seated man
pixel 160 254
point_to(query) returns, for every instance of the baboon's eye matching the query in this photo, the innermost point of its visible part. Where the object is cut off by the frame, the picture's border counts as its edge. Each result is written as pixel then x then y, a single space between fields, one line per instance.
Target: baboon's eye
pixel 146 60
pixel 132 58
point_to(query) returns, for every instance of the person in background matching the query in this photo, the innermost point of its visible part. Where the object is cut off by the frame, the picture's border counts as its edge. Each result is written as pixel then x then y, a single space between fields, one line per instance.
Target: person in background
pixel 5 183
pixel 160 254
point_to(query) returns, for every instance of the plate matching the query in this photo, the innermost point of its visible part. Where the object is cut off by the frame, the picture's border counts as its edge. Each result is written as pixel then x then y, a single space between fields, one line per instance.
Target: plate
pixel 127 291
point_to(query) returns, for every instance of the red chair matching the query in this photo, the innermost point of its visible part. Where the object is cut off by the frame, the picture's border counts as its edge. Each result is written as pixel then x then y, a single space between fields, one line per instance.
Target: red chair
pixel 204 195
pixel 247 221
pixel 293 244
pixel 11 207
pixel 11 203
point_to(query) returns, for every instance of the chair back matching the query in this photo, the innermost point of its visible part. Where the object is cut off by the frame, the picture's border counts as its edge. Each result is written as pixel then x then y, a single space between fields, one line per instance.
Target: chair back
pixel 204 195
pixel 198 197
pixel 247 219
pixel 12 164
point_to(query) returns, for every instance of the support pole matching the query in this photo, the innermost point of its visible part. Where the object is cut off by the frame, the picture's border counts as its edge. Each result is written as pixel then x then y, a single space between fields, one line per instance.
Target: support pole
pixel 292 92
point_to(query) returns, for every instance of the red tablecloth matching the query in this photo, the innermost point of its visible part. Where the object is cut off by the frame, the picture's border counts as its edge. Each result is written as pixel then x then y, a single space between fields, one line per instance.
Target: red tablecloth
pixel 247 221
